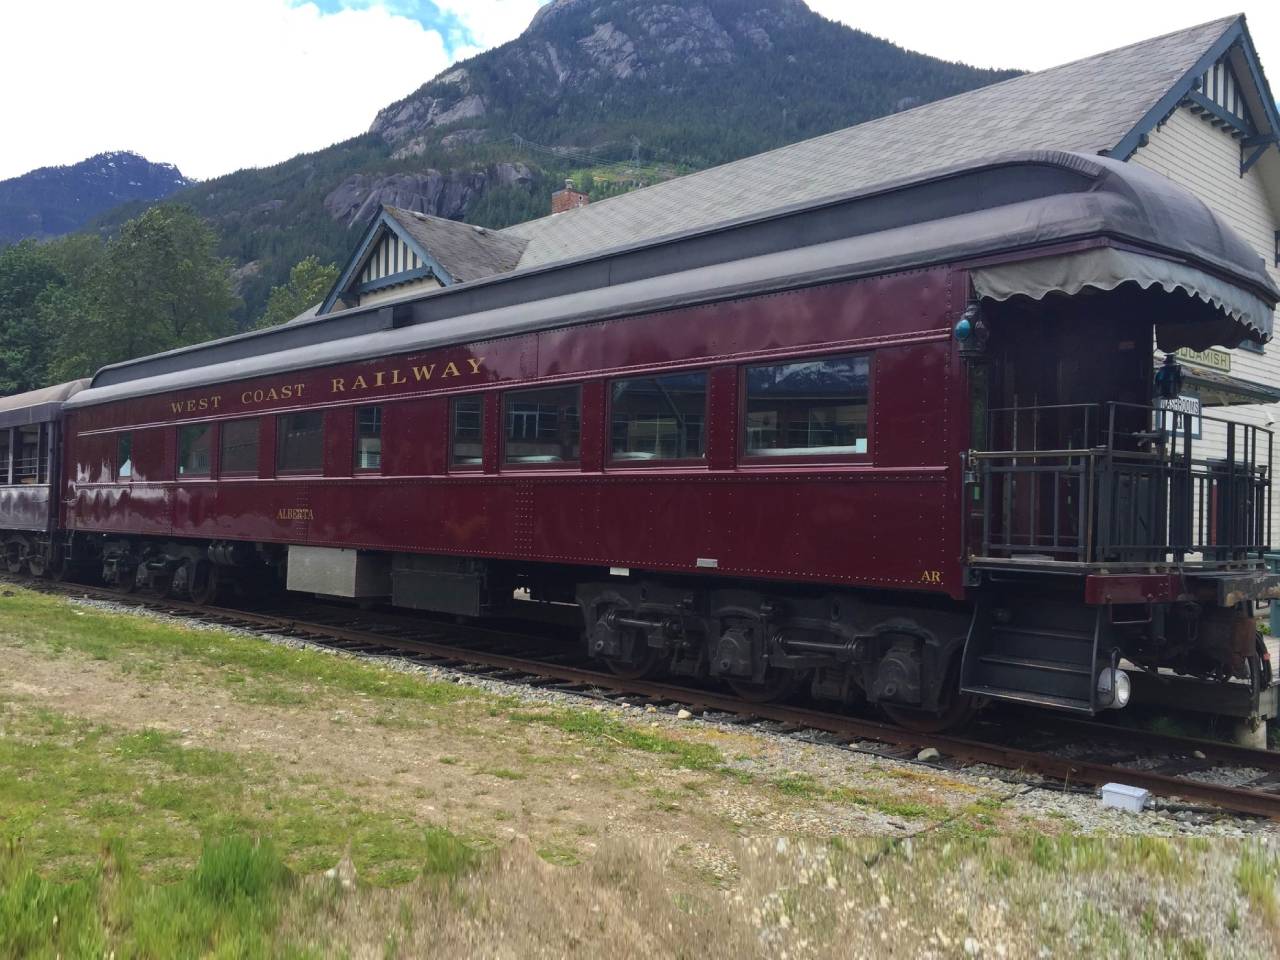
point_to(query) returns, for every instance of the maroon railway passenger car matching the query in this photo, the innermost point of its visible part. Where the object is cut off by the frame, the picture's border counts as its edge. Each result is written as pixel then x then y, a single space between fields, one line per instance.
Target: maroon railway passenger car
pixel 30 461
pixel 898 446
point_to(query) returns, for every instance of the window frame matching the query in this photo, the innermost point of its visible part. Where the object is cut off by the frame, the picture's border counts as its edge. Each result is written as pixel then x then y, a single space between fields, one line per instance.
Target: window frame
pixel 6 463
pixel 120 477
pixel 232 474
pixel 612 463
pixel 503 463
pixel 450 465
pixel 356 469
pixel 791 459
pixel 280 471
pixel 214 435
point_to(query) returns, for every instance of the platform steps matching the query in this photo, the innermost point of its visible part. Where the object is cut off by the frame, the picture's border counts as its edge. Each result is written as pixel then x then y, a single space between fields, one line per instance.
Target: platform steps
pixel 1040 653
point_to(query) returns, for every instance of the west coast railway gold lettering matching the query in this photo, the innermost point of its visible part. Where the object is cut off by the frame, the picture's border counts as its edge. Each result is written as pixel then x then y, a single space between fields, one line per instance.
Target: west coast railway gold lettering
pixel 394 376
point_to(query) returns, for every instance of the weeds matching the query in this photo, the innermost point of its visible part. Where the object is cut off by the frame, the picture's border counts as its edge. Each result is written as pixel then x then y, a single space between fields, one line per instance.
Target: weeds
pixel 1256 874
pixel 607 731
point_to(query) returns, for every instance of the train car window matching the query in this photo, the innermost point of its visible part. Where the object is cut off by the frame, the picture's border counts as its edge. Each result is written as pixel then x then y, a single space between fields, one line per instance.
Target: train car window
pixel 31 464
pixel 466 431
pixel 239 448
pixel 369 438
pixel 300 442
pixel 807 408
pixel 6 448
pixel 195 444
pixel 542 426
pixel 124 455
pixel 659 418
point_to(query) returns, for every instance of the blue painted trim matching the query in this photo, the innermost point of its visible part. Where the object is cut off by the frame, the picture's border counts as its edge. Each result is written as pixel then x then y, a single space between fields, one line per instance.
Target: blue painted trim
pixel 1169 102
pixel 395 279
pixel 1269 107
pixel 383 222
pixel 353 265
pixel 1215 108
pixel 1247 162
pixel 425 256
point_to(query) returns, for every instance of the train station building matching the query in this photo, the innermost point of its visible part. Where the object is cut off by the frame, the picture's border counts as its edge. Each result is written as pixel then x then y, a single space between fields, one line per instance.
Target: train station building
pixel 1193 105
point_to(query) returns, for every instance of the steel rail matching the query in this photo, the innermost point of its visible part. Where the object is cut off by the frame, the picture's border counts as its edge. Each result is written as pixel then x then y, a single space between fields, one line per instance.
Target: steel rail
pixel 1237 799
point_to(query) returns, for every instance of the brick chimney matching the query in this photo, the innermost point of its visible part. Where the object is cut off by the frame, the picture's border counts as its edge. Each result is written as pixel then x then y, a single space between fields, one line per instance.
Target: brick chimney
pixel 570 198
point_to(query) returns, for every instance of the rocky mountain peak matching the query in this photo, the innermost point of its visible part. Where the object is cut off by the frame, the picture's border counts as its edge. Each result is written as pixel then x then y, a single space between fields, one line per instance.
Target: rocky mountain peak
pixel 614 56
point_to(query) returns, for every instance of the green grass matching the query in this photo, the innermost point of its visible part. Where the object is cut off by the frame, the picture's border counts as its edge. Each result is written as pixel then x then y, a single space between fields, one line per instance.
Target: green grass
pixel 227 905
pixel 66 784
pixel 251 670
pixel 606 731
pixel 804 786
pixel 1256 874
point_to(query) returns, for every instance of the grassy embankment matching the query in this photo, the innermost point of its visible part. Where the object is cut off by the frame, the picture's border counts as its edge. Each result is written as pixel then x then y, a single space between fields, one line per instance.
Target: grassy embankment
pixel 137 840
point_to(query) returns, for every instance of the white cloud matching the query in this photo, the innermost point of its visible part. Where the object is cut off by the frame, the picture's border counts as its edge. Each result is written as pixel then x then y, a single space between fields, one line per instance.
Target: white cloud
pixel 491 22
pixel 209 87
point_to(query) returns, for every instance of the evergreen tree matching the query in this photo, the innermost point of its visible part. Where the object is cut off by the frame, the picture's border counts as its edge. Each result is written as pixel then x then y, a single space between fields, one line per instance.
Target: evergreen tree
pixel 157 286
pixel 26 272
pixel 309 281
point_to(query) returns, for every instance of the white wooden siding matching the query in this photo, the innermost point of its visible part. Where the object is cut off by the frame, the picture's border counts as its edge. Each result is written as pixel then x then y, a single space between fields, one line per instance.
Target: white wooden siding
pixel 391 256
pixel 421 285
pixel 1206 160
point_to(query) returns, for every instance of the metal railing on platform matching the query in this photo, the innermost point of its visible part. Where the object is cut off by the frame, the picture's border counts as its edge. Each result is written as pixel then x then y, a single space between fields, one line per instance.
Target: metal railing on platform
pixel 1118 483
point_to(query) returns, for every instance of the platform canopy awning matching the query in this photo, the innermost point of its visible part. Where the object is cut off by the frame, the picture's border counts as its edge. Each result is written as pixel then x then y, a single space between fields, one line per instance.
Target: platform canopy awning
pixel 1237 315
pixel 1217 389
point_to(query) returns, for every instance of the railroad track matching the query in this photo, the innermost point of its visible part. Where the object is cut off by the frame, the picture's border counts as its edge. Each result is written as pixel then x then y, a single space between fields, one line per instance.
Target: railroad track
pixel 500 654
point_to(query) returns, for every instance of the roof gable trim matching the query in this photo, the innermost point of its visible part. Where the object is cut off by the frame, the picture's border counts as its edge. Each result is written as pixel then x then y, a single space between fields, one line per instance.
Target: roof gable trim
pixel 1188 89
pixel 379 227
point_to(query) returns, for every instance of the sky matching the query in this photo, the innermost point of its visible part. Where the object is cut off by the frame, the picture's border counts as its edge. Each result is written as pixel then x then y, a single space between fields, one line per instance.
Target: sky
pixel 216 86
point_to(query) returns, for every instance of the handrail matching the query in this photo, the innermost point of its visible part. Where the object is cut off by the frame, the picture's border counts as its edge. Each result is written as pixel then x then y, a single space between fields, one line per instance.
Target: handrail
pixel 1142 494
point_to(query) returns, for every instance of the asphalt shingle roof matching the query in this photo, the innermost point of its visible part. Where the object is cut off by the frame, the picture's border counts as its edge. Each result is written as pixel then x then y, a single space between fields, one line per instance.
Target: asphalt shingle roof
pixel 467 252
pixel 1088 106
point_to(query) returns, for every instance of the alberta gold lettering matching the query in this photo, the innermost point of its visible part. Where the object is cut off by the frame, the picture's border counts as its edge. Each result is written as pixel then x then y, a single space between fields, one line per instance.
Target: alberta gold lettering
pixel 295 513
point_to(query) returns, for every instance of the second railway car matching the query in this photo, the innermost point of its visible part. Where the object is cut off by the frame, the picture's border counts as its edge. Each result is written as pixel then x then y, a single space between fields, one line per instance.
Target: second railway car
pixel 900 446
pixel 30 464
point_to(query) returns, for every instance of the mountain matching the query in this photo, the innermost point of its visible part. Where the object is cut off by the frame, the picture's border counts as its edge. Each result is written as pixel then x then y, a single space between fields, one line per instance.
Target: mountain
pixel 616 93
pixel 696 83
pixel 55 200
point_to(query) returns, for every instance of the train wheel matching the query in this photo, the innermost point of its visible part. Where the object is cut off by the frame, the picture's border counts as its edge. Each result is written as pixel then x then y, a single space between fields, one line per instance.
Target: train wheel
pixel 14 558
pixel 177 586
pixel 957 708
pixel 204 583
pixel 777 685
pixel 646 663
pixel 130 582
pixel 38 564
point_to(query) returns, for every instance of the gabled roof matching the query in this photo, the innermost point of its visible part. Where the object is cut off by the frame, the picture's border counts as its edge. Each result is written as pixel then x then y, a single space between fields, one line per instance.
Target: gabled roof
pixel 449 251
pixel 465 251
pixel 1102 104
